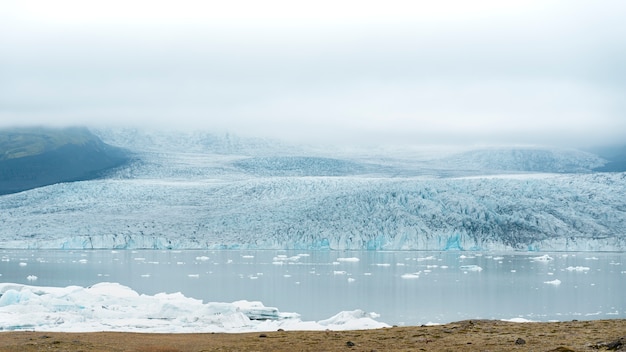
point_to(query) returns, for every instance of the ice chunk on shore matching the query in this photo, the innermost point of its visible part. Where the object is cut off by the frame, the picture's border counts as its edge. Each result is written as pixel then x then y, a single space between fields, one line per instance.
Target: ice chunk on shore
pixel 114 307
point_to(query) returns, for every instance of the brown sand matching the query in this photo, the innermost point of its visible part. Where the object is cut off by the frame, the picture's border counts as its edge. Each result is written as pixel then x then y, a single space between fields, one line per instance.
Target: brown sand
pixel 470 335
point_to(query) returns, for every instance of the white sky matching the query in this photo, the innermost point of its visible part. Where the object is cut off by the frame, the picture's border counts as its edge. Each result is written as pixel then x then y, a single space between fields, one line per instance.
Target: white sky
pixel 547 72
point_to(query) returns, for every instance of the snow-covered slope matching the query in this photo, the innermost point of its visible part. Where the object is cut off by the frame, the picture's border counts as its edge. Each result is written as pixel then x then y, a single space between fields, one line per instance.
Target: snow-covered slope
pixel 530 159
pixel 190 195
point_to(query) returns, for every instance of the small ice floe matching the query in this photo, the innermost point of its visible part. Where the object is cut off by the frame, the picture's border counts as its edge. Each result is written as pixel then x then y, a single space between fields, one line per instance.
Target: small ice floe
pixel 145 275
pixel 544 258
pixel 193 276
pixel 203 258
pixel 31 278
pixel 23 264
pixel 284 258
pixel 410 276
pixel 139 259
pixel 335 263
pixel 367 274
pixel 180 263
pixel 83 261
pixel 577 268
pixel 339 272
pixel 513 270
pixel 247 256
pixel 592 258
pixel 498 258
pixel 471 268
pixel 426 258
pixel 400 264
pixel 351 279
pixel 287 275
pixel 350 259
pixel 382 264
pixel 555 282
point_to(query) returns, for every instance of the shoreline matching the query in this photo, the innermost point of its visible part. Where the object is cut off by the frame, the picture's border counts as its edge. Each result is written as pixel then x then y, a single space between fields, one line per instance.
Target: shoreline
pixel 467 335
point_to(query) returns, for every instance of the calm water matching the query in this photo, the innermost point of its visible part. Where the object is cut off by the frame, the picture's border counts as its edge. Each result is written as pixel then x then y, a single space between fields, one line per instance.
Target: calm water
pixel 403 287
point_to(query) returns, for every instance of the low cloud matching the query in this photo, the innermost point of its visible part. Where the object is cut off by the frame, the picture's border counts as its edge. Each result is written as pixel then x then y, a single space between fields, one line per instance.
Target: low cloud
pixel 541 74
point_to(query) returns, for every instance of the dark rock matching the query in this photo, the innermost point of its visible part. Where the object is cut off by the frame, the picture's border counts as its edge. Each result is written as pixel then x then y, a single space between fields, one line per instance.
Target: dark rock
pixel 520 341
pixel 350 344
pixel 561 349
pixel 263 335
pixel 616 345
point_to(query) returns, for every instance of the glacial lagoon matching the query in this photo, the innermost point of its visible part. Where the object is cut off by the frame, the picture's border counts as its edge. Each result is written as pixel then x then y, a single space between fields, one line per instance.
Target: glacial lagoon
pixel 403 287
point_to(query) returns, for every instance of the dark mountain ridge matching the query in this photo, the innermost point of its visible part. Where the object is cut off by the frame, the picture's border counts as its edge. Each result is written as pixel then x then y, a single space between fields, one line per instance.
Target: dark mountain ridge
pixel 36 157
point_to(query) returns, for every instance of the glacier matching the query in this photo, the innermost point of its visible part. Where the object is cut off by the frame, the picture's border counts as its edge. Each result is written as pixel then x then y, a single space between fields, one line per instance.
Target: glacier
pixel 201 191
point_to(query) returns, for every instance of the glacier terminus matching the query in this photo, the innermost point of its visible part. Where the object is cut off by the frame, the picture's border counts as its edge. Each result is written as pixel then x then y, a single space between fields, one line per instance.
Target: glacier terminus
pixel 192 190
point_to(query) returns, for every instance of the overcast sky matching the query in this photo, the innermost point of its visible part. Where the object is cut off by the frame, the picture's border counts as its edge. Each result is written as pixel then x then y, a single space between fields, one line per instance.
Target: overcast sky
pixel 375 72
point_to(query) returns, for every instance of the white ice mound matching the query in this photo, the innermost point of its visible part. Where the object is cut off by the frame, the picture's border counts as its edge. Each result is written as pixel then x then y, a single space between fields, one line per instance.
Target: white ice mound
pixel 114 307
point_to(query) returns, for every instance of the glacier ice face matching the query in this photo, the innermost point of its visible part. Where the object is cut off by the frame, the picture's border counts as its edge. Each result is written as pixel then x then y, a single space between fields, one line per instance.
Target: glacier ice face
pixel 114 307
pixel 200 191
pixel 565 212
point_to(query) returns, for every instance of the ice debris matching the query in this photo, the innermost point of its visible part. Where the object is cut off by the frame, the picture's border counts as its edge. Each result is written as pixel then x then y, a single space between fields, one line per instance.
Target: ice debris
pixel 114 307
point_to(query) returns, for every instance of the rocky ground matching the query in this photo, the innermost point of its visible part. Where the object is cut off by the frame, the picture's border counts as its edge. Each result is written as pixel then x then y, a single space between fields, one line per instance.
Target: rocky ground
pixel 471 335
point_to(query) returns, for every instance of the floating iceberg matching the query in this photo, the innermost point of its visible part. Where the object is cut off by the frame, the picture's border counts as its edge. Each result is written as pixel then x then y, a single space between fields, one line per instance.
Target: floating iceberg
pixel 577 268
pixel 114 307
pixel 555 282
pixel 543 258
pixel 471 268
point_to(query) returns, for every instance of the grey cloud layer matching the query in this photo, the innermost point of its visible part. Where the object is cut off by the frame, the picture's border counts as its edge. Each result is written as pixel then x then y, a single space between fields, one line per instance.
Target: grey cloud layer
pixel 546 77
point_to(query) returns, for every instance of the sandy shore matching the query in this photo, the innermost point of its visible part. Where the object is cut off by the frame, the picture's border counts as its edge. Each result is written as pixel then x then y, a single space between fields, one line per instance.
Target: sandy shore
pixel 470 335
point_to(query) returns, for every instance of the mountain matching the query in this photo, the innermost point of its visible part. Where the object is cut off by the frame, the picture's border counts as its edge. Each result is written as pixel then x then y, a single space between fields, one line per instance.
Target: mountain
pixel 36 157
pixel 188 190
pixel 615 156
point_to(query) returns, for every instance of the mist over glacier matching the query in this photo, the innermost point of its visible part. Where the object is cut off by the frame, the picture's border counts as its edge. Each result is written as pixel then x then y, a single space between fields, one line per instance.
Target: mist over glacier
pixel 200 190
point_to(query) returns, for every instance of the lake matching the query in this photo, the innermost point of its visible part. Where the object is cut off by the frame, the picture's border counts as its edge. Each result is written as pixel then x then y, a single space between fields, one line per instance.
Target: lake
pixel 404 287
